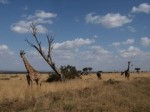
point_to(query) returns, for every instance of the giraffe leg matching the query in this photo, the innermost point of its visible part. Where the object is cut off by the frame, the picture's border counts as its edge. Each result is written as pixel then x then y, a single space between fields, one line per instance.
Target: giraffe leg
pixel 126 75
pixel 37 82
pixel 28 80
pixel 31 83
pixel 40 82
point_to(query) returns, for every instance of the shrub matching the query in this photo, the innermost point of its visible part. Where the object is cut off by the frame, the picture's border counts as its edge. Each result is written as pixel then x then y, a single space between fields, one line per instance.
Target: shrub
pixel 70 72
pixel 53 77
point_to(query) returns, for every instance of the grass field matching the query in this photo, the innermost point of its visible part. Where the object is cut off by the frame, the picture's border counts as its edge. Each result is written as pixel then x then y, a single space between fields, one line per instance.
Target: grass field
pixel 113 93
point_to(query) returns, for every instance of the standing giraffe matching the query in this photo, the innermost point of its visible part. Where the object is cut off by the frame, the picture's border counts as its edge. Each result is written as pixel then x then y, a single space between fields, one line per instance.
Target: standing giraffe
pixel 127 72
pixel 32 74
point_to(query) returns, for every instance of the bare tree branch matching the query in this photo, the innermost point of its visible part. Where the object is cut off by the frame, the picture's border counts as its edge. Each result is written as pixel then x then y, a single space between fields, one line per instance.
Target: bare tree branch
pixel 38 47
pixel 31 44
pixel 34 33
pixel 50 40
pixel 34 29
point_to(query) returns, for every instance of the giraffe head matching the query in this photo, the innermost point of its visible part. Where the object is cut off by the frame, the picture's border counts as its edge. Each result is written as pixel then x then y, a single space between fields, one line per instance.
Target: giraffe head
pixel 22 53
pixel 129 62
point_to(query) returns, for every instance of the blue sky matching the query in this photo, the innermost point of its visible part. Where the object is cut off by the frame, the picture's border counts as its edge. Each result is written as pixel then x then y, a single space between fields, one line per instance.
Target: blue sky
pixel 102 34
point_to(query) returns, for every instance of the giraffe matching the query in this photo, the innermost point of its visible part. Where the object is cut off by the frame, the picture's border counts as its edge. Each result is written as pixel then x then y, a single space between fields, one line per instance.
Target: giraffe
pixel 127 71
pixel 32 74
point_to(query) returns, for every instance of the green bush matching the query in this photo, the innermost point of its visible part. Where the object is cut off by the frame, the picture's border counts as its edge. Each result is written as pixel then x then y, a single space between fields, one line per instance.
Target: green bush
pixel 69 72
pixel 53 77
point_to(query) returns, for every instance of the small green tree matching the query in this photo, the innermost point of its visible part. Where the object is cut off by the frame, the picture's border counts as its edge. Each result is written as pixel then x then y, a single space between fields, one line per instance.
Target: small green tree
pixel 69 71
pixel 137 70
pixel 90 69
pixel 86 70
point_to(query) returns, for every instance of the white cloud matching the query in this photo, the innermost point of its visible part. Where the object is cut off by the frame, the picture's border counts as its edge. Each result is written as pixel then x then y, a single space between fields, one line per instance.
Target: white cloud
pixel 72 44
pixel 41 29
pixel 131 29
pixel 95 36
pixel 5 50
pixel 129 41
pixel 145 41
pixel 116 44
pixel 144 7
pixel 4 1
pixel 110 20
pixel 130 52
pixel 3 47
pixel 69 49
pixel 43 14
pixel 21 26
pixel 90 56
pixel 98 50
pixel 91 18
pixel 39 18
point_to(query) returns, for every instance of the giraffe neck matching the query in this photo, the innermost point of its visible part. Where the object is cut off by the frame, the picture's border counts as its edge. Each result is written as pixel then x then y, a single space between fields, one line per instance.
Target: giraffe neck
pixel 128 67
pixel 28 66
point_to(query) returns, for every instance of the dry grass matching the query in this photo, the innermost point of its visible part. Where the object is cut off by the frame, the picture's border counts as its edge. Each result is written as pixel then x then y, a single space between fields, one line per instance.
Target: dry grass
pixel 80 95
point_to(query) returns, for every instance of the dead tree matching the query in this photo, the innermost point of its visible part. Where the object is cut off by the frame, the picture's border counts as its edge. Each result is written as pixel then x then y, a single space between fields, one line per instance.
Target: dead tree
pixel 47 56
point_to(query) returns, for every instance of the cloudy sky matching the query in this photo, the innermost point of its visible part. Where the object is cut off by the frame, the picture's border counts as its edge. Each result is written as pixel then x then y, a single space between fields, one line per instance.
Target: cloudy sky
pixel 102 34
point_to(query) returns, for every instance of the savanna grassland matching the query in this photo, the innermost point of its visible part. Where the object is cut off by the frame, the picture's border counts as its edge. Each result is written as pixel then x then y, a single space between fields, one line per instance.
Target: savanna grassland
pixel 113 93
